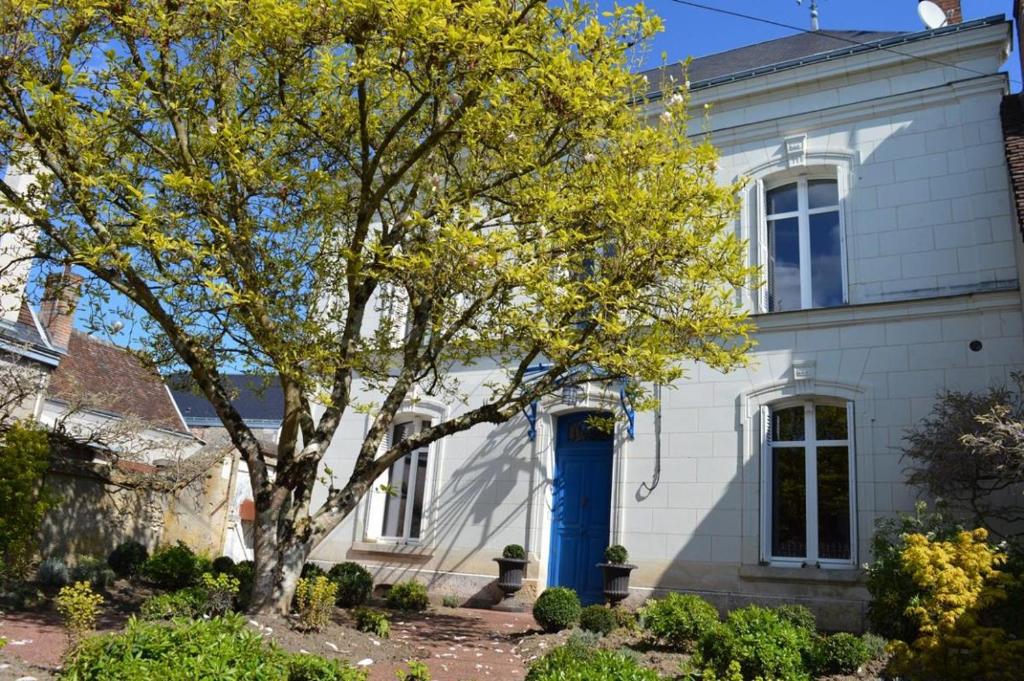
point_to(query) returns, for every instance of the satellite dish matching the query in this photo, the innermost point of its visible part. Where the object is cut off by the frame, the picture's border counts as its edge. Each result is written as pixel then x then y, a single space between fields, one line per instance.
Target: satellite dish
pixel 931 14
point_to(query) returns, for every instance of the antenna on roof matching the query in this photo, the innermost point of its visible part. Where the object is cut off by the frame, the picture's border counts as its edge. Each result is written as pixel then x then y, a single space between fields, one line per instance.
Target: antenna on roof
pixel 931 14
pixel 814 13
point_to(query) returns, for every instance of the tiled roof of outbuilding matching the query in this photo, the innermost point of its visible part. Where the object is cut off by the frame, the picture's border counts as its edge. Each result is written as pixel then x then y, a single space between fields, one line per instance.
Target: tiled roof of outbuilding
pixel 1012 113
pixel 113 380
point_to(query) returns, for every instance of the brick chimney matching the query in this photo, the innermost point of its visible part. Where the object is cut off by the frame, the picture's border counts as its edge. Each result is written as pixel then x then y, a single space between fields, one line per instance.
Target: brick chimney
pixel 952 10
pixel 57 310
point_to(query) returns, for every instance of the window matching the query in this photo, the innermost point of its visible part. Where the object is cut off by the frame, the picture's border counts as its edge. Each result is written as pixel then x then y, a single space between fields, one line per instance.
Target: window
pixel 803 245
pixel 809 477
pixel 402 517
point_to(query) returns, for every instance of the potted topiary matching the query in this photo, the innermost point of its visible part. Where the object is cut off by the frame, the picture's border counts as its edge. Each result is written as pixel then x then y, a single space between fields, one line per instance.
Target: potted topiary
pixel 511 570
pixel 616 573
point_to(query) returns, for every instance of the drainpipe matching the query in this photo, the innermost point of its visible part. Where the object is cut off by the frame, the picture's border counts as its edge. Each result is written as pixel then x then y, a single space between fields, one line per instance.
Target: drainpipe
pixel 656 478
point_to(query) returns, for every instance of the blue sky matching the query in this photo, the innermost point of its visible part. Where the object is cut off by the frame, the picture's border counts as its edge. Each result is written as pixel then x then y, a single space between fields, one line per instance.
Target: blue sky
pixel 696 32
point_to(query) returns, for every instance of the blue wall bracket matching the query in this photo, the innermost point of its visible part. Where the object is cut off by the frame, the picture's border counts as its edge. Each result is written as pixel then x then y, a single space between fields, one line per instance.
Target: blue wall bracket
pixel 627 407
pixel 530 412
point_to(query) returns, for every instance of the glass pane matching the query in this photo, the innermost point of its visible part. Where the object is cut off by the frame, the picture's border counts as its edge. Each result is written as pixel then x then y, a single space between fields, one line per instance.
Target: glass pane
pixel 782 199
pixel 826 261
pixel 417 498
pixel 788 424
pixel 830 422
pixel 401 431
pixel 822 194
pixel 394 504
pixel 784 264
pixel 789 494
pixel 833 503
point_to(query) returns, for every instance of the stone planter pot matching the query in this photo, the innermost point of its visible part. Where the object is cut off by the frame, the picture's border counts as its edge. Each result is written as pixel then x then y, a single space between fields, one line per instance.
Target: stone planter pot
pixel 510 579
pixel 616 580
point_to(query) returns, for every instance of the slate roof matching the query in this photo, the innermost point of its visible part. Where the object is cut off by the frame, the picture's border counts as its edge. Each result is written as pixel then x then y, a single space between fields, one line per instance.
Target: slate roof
pixel 778 51
pixel 791 52
pixel 257 399
pixel 25 337
pixel 111 379
pixel 1011 111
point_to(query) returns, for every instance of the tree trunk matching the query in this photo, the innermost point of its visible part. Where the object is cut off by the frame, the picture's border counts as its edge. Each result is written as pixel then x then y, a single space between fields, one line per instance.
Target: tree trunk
pixel 278 566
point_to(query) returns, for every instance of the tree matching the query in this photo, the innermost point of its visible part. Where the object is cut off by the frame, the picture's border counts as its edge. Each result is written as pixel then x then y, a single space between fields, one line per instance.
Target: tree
pixel 969 452
pixel 261 180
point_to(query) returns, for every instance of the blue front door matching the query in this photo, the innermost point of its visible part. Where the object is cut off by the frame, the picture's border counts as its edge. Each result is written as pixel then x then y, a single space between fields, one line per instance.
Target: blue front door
pixel 580 524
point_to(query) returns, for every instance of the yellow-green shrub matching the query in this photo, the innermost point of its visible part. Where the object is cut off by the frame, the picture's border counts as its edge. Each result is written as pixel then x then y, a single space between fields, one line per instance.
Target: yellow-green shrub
pixel 79 605
pixel 958 579
pixel 314 600
pixel 221 590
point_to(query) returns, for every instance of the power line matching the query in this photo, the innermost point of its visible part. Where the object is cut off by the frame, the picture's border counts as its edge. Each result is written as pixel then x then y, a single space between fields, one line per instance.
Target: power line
pixel 780 24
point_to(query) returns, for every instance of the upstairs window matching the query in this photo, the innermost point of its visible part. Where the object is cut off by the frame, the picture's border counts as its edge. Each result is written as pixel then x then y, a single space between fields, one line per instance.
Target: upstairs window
pixel 802 245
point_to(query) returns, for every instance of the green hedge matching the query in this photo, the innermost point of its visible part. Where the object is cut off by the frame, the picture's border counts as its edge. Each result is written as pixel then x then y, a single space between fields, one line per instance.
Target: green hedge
pixel 557 608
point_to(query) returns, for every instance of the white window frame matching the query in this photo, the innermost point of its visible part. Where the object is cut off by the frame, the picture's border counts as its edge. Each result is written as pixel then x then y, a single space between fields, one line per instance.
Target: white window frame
pixel 810 444
pixel 803 213
pixel 374 528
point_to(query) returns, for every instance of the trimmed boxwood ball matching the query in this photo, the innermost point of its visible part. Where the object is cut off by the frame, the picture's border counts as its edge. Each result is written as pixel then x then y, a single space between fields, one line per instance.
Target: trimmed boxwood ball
pixel 557 608
pixel 598 619
pixel 312 571
pixel 840 653
pixel 678 619
pixel 224 564
pixel 617 554
pixel 514 552
pixel 409 596
pixel 355 583
pixel 127 558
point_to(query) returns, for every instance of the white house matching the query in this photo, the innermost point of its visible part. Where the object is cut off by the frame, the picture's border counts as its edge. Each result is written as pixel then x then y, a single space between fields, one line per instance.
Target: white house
pixel 878 202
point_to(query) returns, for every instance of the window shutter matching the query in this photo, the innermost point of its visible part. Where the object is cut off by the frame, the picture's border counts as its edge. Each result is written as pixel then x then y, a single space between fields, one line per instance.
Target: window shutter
pixel 842 187
pixel 855 507
pixel 761 221
pixel 766 499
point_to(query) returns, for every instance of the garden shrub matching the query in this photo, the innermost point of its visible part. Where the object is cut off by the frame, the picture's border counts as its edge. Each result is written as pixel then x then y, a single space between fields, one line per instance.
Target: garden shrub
pixel 303 667
pixel 761 642
pixel 79 605
pixel 355 583
pixel 127 558
pixel 625 618
pixel 568 664
pixel 188 603
pixel 312 570
pixel 185 650
pixel 889 582
pixel 24 499
pixel 840 653
pixel 799 616
pixel 417 672
pixel 514 551
pixel 219 593
pixel 245 571
pixel 314 600
pixel 557 608
pixel 581 641
pixel 678 619
pixel 92 570
pixel 172 567
pixel 875 645
pixel 617 554
pixel 372 622
pixel 53 572
pixel 598 619
pixel 410 596
pixel 223 564
pixel 957 579
pixel 451 601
